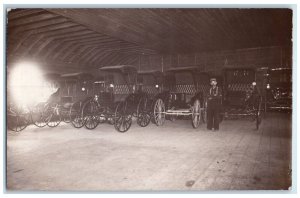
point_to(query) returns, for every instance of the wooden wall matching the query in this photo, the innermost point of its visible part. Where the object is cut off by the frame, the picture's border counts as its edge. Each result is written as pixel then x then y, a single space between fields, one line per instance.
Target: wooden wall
pixel 270 57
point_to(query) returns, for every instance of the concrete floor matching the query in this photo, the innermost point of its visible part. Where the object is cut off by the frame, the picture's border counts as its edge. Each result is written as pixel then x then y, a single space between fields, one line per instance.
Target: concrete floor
pixel 172 157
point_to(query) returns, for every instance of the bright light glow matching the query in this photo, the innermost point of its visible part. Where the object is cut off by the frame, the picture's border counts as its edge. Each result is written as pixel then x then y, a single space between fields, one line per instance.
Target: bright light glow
pixel 254 83
pixel 82 89
pixel 111 85
pixel 268 86
pixel 156 86
pixel 27 85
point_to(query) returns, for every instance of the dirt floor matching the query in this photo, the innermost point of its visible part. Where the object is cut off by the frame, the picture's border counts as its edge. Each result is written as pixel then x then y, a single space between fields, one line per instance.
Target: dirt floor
pixel 174 157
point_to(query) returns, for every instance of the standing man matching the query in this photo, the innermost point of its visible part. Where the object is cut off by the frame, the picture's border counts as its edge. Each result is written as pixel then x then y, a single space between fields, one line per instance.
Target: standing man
pixel 214 98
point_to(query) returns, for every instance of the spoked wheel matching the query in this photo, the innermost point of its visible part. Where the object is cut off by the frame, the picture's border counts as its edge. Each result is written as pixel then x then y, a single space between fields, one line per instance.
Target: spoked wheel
pixel 258 114
pixel 196 113
pixel 53 117
pixel 159 112
pixel 76 115
pixel 204 112
pixel 91 118
pixel 143 116
pixel 16 120
pixel 123 119
pixel 40 117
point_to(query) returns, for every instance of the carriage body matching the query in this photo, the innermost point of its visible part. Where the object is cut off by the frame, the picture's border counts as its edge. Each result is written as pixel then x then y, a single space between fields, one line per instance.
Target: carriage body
pixel 116 98
pixel 150 83
pixel 279 89
pixel 73 90
pixel 241 95
pixel 187 87
pixel 150 87
pixel 119 86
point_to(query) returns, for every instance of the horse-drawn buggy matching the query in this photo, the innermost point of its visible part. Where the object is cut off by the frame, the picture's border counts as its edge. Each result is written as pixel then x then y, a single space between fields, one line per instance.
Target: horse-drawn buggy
pixel 118 101
pixel 31 110
pixel 279 89
pixel 241 95
pixel 187 88
pixel 151 86
pixel 67 102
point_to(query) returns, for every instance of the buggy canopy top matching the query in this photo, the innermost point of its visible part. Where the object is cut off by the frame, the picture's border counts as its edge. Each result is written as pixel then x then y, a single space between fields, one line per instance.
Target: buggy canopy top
pixel 52 76
pixel 77 76
pixel 189 68
pixel 119 68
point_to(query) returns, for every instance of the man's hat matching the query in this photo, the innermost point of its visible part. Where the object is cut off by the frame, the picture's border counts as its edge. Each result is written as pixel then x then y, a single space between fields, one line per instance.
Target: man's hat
pixel 213 79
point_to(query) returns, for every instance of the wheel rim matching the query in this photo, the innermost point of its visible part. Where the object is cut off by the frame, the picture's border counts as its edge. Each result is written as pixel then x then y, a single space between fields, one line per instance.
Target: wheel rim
pixel 123 120
pixel 41 121
pixel 17 123
pixel 17 120
pixel 76 115
pixel 91 118
pixel 40 116
pixel 54 119
pixel 159 112
pixel 91 122
pixel 143 117
pixel 196 114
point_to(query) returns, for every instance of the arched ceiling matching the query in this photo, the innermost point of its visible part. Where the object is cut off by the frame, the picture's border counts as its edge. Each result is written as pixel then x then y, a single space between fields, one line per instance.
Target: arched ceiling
pixel 90 38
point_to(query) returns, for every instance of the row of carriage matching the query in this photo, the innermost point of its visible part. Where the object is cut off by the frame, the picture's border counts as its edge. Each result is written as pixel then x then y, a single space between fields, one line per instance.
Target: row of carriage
pixel 117 94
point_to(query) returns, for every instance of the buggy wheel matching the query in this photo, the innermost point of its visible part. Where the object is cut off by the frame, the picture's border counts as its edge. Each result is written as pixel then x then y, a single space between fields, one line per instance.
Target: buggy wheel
pixel 54 117
pixel 91 122
pixel 258 114
pixel 196 113
pixel 143 116
pixel 16 121
pixel 91 119
pixel 40 115
pixel 159 112
pixel 122 119
pixel 76 115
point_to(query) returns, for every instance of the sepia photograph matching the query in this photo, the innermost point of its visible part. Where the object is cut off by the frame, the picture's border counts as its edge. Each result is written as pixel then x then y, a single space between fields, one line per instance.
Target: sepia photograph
pixel 162 99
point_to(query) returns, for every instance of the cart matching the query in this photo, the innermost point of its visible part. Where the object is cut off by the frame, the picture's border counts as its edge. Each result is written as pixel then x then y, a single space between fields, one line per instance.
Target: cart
pixel 119 100
pixel 241 95
pixel 186 96
pixel 67 102
pixel 279 89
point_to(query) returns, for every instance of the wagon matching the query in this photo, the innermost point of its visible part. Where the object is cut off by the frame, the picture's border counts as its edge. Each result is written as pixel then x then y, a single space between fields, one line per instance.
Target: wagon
pixel 150 86
pixel 279 89
pixel 186 96
pixel 241 95
pixel 118 102
pixel 19 116
pixel 66 103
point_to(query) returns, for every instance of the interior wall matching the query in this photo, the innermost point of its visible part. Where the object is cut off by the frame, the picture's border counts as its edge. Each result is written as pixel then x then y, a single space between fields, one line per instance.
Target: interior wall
pixel 213 62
